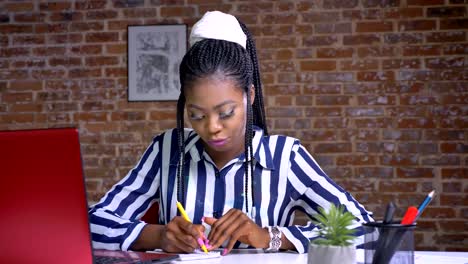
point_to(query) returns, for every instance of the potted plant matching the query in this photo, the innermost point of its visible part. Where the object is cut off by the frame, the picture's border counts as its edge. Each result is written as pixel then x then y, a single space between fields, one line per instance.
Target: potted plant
pixel 335 237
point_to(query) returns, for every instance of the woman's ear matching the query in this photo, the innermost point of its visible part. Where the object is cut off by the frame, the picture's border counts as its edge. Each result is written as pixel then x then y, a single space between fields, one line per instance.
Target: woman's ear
pixel 252 94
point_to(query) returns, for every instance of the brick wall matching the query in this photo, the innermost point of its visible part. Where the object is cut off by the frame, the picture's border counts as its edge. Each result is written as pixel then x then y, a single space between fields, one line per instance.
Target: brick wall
pixel 376 89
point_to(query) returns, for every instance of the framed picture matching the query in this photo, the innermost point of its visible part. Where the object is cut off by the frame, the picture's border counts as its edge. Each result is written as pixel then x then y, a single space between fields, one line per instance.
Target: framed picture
pixel 154 56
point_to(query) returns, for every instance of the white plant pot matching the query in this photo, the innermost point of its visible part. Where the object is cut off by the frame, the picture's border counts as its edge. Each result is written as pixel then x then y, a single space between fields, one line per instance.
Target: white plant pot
pixel 319 254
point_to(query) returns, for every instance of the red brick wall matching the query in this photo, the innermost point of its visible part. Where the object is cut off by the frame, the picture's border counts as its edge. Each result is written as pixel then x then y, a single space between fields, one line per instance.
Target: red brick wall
pixel 376 89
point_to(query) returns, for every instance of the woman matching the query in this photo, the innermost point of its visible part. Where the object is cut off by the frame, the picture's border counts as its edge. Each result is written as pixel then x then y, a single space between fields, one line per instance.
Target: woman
pixel 241 183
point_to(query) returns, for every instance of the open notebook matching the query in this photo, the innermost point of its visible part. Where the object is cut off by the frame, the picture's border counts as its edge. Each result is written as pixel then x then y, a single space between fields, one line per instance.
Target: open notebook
pixel 43 202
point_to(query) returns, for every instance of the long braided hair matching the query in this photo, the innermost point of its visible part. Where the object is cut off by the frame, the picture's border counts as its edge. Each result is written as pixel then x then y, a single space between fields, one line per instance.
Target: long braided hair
pixel 209 57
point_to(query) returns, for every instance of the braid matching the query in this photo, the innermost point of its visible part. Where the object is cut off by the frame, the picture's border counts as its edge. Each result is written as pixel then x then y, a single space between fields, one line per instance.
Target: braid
pixel 254 116
pixel 248 154
pixel 181 147
pixel 259 107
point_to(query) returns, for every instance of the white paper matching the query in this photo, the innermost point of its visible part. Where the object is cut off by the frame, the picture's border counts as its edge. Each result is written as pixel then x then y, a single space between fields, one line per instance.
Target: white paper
pixel 199 255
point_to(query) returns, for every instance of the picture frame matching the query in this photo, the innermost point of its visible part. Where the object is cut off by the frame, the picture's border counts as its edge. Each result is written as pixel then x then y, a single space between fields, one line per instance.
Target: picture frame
pixel 154 56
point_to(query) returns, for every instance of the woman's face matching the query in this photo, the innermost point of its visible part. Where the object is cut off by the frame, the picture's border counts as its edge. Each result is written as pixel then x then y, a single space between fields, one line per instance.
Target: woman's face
pixel 216 109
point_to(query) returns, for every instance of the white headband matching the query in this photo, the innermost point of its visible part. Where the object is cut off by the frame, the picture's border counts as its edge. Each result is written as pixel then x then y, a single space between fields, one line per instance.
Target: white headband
pixel 218 25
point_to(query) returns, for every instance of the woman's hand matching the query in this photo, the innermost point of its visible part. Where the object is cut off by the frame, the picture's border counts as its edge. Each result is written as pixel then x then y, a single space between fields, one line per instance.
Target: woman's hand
pixel 180 235
pixel 233 226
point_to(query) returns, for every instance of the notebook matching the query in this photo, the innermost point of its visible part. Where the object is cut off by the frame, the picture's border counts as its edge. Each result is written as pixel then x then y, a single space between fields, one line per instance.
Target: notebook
pixel 197 255
pixel 44 213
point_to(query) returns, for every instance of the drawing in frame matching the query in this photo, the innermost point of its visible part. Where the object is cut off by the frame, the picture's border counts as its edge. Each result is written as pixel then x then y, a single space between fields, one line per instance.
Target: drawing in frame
pixel 154 56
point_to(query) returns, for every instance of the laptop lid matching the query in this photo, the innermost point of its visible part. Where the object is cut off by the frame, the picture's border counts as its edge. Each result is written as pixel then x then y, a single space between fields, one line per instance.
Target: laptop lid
pixel 43 201
pixel 44 214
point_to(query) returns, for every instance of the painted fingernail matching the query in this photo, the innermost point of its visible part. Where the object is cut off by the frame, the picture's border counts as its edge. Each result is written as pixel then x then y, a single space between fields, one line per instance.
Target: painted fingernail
pixel 203 219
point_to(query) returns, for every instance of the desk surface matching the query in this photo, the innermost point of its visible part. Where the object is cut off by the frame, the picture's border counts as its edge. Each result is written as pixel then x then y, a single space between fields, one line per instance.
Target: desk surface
pixel 258 257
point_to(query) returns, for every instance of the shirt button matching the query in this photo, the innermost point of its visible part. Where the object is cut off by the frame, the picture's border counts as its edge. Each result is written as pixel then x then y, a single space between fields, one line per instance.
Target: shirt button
pixel 216 214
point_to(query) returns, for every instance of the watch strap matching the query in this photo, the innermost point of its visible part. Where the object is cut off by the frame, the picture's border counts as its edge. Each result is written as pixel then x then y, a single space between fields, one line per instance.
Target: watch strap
pixel 275 239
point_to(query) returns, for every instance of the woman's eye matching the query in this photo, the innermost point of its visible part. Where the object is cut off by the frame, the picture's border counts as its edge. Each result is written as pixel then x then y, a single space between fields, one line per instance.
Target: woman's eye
pixel 227 114
pixel 194 116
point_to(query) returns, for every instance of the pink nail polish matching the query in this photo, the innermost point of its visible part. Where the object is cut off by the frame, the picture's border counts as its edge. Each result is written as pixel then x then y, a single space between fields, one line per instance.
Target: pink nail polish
pixel 203 219
pixel 224 252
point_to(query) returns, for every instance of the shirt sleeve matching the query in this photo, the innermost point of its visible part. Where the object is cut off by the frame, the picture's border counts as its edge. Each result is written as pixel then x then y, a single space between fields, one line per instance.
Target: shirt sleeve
pixel 114 220
pixel 312 188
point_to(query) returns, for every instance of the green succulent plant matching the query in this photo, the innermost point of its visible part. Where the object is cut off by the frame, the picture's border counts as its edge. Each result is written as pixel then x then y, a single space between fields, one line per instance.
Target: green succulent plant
pixel 334 226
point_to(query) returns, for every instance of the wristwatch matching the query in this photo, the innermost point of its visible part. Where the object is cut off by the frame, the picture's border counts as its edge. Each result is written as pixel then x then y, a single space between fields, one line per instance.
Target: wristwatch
pixel 275 239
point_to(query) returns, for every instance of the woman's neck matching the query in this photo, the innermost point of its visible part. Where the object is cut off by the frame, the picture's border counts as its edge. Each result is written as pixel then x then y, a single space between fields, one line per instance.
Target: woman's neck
pixel 222 158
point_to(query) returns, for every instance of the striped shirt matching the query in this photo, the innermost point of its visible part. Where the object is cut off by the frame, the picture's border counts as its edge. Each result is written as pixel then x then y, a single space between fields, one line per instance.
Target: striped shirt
pixel 286 178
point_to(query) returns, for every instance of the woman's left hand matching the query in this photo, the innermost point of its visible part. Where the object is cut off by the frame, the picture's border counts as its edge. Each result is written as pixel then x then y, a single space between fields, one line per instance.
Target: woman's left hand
pixel 233 226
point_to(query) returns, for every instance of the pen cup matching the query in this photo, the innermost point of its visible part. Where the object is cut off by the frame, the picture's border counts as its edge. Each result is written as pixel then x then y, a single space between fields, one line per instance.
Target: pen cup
pixel 391 243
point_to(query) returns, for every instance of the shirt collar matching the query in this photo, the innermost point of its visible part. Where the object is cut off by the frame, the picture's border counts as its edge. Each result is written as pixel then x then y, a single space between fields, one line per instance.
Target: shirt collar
pixel 194 150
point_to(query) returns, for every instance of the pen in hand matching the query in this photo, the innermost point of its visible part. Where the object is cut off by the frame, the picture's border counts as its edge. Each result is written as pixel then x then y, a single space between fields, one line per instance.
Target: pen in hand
pixel 185 216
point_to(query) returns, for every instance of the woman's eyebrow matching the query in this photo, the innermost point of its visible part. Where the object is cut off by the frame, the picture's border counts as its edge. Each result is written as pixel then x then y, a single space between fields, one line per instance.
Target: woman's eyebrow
pixel 215 107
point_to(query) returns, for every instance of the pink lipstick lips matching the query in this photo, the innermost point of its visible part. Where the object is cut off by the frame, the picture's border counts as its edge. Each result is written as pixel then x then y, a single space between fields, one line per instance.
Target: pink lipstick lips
pixel 217 143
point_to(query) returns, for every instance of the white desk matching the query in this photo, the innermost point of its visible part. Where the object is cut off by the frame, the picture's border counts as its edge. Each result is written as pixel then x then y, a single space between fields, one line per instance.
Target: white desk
pixel 258 257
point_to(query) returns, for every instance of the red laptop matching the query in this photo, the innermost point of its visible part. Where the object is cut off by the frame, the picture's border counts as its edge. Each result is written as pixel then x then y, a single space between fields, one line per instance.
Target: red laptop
pixel 43 206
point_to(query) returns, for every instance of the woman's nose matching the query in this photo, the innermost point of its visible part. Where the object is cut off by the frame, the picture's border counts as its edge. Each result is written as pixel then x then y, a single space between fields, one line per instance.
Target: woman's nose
pixel 214 125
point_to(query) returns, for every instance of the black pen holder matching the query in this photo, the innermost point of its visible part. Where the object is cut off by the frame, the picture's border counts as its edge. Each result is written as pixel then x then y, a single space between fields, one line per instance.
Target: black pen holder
pixel 391 243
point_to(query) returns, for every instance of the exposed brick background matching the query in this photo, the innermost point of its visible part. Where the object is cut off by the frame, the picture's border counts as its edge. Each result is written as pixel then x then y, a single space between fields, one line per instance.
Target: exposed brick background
pixel 377 90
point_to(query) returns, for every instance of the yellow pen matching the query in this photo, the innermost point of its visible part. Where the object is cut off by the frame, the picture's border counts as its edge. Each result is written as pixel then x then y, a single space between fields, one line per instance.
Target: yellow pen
pixel 185 216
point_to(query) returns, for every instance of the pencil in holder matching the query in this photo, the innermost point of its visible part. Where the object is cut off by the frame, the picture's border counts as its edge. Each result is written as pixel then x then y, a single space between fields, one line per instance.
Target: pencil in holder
pixel 391 243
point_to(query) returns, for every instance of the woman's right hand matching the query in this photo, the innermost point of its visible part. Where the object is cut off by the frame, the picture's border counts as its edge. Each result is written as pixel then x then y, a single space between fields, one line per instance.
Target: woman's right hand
pixel 180 235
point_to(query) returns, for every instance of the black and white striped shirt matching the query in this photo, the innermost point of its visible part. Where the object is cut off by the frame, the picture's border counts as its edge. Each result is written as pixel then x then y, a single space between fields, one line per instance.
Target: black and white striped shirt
pixel 286 178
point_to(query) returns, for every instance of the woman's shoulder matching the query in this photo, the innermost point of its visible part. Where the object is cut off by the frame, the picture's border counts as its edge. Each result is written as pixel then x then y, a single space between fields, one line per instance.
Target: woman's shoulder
pixel 281 137
pixel 281 141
